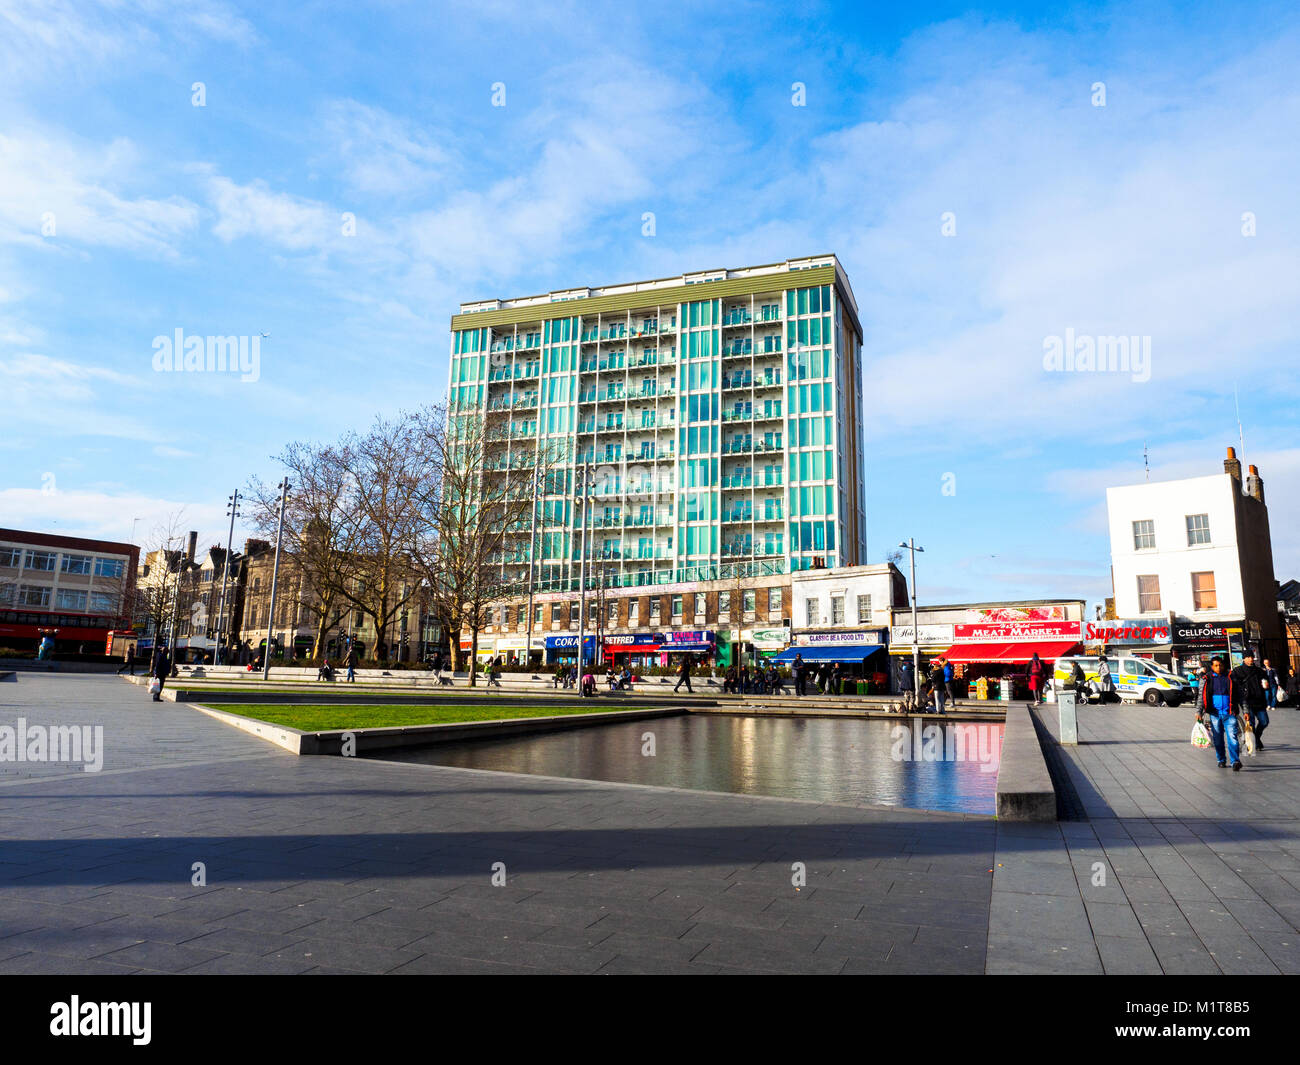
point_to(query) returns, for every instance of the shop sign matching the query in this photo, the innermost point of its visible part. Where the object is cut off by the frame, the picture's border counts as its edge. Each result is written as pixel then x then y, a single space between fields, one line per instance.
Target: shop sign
pixel 696 636
pixel 1016 632
pixel 929 634
pixel 1207 635
pixel 635 639
pixel 768 639
pixel 1135 632
pixel 838 639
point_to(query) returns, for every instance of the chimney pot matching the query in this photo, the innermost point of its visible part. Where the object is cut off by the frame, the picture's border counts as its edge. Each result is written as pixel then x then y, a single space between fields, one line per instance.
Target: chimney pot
pixel 1254 471
pixel 1232 452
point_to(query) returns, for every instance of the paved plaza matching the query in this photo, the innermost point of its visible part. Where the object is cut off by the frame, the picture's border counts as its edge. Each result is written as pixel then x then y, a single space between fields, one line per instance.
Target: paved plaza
pixel 343 865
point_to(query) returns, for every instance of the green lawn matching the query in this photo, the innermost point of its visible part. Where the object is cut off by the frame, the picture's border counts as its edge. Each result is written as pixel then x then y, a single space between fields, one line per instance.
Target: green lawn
pixel 315 718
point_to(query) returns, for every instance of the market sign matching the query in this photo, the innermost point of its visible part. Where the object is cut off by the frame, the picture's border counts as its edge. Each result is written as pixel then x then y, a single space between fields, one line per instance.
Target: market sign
pixel 689 636
pixel 1134 633
pixel 900 634
pixel 1017 632
pixel 838 639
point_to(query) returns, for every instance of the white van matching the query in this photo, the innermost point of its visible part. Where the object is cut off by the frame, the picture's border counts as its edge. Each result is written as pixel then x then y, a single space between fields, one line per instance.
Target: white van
pixel 1133 677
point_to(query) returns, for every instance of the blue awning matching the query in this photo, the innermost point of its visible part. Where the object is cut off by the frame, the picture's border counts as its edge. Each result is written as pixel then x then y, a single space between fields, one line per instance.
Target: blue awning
pixel 847 652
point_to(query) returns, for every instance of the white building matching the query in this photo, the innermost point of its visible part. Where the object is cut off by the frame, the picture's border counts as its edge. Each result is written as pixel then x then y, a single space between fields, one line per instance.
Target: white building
pixel 1195 551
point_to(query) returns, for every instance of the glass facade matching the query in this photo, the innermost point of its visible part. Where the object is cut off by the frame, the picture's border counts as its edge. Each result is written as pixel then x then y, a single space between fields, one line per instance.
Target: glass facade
pixel 725 432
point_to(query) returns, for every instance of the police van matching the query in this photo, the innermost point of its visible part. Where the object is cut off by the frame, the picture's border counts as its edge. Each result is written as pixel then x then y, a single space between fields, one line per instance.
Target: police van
pixel 1134 678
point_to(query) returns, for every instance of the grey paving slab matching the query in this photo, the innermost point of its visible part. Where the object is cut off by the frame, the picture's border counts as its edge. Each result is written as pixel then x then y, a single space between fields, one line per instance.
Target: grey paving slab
pixel 335 865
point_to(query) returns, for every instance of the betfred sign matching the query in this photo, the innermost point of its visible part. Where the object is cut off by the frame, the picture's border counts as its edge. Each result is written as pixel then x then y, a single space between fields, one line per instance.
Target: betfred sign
pixel 1130 633
pixel 1017 632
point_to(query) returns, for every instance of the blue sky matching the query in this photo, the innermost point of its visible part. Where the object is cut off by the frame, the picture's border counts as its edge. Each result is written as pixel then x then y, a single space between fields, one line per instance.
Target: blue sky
pixel 226 219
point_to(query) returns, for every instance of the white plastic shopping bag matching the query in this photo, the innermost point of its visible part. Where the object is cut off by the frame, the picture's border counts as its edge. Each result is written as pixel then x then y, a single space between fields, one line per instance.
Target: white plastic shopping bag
pixel 1200 737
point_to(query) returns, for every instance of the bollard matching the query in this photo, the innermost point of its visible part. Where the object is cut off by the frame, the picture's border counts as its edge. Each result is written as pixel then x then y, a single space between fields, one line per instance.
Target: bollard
pixel 1069 721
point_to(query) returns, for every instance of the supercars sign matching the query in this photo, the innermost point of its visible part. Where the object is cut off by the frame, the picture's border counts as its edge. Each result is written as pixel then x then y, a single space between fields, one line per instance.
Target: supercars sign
pixel 1128 633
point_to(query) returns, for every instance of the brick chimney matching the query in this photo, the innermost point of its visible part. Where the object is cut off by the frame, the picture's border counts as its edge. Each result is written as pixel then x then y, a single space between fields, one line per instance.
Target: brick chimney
pixel 193 544
pixel 1232 464
pixel 1255 485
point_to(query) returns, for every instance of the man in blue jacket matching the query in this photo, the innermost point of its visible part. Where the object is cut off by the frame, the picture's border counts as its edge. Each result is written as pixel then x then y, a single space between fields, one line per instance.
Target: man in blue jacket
pixel 1218 712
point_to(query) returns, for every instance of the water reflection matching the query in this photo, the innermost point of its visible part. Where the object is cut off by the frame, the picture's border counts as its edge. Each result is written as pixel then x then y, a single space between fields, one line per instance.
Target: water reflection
pixel 803 758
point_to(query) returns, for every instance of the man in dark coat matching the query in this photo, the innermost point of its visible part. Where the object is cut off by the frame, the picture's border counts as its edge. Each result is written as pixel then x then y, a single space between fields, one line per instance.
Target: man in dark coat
pixel 162 668
pixel 1252 683
pixel 800 675
pixel 684 675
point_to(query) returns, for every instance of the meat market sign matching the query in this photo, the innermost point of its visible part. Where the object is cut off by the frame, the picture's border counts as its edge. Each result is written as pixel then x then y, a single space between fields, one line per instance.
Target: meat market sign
pixel 1128 633
pixel 1017 632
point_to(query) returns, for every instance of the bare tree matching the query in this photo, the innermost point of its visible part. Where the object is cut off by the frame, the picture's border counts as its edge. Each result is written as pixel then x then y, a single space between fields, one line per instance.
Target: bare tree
pixel 320 528
pixel 385 469
pixel 471 510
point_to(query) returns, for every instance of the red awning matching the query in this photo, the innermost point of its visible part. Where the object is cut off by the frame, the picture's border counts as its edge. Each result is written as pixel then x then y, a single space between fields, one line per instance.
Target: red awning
pixel 1048 651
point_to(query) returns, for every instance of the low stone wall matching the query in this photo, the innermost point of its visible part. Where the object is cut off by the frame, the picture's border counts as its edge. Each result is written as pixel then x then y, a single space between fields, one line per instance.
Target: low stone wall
pixel 378 739
pixel 1025 791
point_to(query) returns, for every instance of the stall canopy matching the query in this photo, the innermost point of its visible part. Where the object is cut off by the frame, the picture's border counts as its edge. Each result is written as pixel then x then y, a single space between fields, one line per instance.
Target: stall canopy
pixel 849 652
pixel 1048 651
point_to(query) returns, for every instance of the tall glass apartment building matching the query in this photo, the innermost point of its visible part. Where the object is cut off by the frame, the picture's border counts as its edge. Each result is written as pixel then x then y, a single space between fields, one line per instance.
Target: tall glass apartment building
pixel 722 412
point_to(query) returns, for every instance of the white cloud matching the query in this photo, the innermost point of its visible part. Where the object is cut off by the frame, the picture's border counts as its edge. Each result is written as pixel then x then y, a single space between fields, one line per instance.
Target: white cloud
pixel 75 190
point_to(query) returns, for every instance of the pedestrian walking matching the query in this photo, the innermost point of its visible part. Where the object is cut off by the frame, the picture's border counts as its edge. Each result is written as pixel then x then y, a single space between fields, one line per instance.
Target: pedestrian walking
pixel 161 670
pixel 1037 674
pixel 1274 684
pixel 350 660
pixel 1105 682
pixel 684 675
pixel 1218 711
pixel 128 661
pixel 800 677
pixel 1251 684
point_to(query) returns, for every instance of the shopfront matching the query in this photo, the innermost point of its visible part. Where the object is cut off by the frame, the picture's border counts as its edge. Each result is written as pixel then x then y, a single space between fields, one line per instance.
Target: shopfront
pixel 861 655
pixel 699 643
pixel 636 650
pixel 998 653
pixel 565 649
pixel 1196 642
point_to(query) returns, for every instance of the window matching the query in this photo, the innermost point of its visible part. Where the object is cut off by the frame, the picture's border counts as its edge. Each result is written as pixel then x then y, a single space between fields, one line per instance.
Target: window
pixel 677 606
pixel 750 602
pixel 776 600
pixel 814 612
pixel 655 605
pixel 79 564
pixel 109 567
pixel 613 611
pixel 1144 536
pixel 6 593
pixel 252 617
pixel 573 613
pixel 1148 594
pixel 1198 529
pixel 30 595
pixel 10 557
pixel 1203 594
pixel 70 599
pixel 864 610
pixel 41 560
pixel 537 614
pixel 837 610
pixel 633 610
pixel 699 604
pixel 724 604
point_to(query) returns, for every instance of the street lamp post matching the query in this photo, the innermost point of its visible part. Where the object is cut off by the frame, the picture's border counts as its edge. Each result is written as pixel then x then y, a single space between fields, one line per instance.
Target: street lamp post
pixel 532 556
pixel 585 480
pixel 916 634
pixel 232 505
pixel 275 576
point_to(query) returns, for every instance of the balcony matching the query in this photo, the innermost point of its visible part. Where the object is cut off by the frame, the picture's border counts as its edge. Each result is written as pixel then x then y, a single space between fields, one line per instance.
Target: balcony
pixel 736 317
pixel 738 480
pixel 743 380
pixel 769 414
pixel 735 514
pixel 742 414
